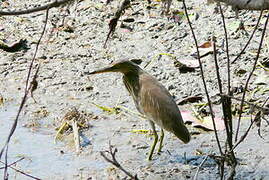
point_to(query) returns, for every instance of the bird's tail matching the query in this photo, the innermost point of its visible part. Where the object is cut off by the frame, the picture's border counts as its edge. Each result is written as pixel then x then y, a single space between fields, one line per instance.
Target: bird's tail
pixel 182 132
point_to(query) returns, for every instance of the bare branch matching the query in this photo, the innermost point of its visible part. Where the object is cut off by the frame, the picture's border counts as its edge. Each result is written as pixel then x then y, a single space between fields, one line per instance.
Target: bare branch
pixel 23 173
pixel 250 38
pixel 15 162
pixel 242 138
pixel 114 161
pixel 56 3
pixel 199 167
pixel 27 90
pixel 203 77
pixel 113 22
pixel 260 108
pixel 226 107
pixel 251 73
pixel 257 120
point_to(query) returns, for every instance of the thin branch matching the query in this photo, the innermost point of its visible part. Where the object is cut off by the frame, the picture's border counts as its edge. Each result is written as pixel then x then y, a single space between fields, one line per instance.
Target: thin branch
pixel 250 38
pixel 225 105
pixel 113 22
pixel 34 83
pixel 257 117
pixel 227 48
pixel 23 173
pixel 226 101
pixel 261 108
pixel 251 73
pixel 203 78
pixel 56 3
pixel 15 162
pixel 115 162
pixel 243 136
pixel 37 46
pixel 199 167
pixel 27 90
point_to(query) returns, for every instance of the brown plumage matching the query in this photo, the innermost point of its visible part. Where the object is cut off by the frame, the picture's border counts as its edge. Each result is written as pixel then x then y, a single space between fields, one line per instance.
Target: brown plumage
pixel 152 99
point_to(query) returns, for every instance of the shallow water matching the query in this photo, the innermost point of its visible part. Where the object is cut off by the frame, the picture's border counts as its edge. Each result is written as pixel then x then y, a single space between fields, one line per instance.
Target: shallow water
pixel 42 158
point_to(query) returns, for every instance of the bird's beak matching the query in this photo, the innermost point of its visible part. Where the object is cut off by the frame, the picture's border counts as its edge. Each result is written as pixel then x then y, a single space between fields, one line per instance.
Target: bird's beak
pixel 103 70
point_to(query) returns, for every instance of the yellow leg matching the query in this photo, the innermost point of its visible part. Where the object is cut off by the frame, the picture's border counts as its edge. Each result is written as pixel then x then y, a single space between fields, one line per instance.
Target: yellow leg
pixel 154 142
pixel 161 141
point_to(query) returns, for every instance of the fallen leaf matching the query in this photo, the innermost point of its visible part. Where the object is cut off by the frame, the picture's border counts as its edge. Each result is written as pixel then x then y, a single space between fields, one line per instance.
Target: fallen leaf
pixel 14 47
pixel 1 100
pixel 240 72
pixel 186 66
pixel 265 62
pixel 129 20
pixel 190 99
pixel 208 123
pixel 140 131
pixel 107 109
pixel 125 28
pixel 207 44
pixel 205 122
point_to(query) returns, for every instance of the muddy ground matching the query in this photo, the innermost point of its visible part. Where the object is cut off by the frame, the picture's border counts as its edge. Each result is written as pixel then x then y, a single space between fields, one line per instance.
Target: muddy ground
pixel 67 52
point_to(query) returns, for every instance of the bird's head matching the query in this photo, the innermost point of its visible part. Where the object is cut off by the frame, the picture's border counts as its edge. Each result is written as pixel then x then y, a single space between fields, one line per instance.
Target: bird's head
pixel 123 66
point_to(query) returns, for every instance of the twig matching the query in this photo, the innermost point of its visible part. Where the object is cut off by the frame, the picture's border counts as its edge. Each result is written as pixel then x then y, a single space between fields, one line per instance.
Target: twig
pixel 203 78
pixel 261 108
pixel 251 73
pixel 250 38
pixel 76 134
pixel 34 83
pixel 56 3
pixel 260 117
pixel 15 162
pixel 27 90
pixel 114 161
pixel 23 173
pixel 113 22
pixel 199 167
pixel 243 136
pixel 227 103
pixel 227 48
pixel 252 122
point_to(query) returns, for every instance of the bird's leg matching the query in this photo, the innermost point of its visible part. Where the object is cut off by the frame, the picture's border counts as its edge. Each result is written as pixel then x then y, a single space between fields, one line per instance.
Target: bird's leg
pixel 161 141
pixel 155 140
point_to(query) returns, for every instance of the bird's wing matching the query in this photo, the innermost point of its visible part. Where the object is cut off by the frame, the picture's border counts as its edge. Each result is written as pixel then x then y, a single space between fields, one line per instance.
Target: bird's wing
pixel 156 100
pixel 159 106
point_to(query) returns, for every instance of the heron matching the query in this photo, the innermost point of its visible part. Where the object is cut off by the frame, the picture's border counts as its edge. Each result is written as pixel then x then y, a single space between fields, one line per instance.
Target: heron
pixel 152 100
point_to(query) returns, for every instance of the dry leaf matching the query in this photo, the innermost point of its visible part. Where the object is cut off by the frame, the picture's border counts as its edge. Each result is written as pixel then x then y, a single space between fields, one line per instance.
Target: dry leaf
pixel 20 45
pixel 205 122
pixel 207 44
pixel 186 65
pixel 190 99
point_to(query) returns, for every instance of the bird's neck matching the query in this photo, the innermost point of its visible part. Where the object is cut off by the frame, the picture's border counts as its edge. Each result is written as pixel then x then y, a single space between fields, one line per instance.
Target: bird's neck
pixel 131 81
